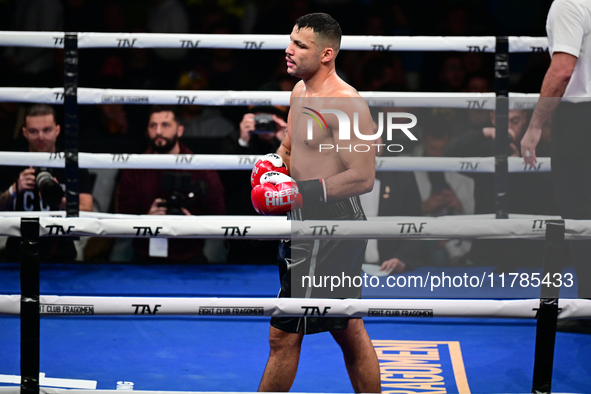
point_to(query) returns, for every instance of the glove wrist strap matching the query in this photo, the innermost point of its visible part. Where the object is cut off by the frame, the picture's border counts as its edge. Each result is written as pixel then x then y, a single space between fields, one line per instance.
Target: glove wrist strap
pixel 313 191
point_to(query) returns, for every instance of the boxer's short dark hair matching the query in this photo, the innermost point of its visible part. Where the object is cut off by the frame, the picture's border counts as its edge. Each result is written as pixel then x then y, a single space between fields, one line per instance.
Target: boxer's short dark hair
pixel 323 25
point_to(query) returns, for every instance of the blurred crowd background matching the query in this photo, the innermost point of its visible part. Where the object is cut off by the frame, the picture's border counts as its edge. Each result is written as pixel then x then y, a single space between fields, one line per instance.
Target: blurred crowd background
pixel 221 69
pixel 452 132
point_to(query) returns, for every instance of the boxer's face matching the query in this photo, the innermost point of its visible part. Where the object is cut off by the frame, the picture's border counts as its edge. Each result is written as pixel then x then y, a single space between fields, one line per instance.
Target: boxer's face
pixel 41 132
pixel 302 53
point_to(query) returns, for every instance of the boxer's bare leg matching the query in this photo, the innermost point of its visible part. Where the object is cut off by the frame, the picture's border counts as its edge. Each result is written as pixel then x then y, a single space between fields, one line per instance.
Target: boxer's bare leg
pixel 284 356
pixel 360 357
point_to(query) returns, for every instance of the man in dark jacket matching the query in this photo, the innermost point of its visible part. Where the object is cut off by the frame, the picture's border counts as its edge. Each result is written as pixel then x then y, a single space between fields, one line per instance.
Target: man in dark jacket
pixel 160 192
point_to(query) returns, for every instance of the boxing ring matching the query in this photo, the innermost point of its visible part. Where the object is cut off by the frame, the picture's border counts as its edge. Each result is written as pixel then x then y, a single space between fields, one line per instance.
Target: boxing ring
pixel 205 327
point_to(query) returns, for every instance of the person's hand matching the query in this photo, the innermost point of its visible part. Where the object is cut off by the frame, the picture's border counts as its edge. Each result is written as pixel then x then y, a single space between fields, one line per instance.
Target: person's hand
pixel 393 266
pixel 451 200
pixel 280 123
pixel 156 208
pixel 433 203
pixel 528 145
pixel 246 127
pixel 26 179
pixel 491 132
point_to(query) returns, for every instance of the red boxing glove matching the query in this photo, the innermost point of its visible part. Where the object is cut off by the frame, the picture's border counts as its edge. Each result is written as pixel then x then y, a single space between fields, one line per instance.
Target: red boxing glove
pixel 277 194
pixel 269 162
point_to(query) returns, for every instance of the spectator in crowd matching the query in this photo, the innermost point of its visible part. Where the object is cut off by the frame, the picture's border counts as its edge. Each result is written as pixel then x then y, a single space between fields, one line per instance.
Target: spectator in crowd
pixel 201 121
pixel 167 16
pixel 105 129
pixel 394 194
pixel 159 192
pixel 253 141
pixel 250 141
pixel 11 121
pixel 528 193
pixel 36 66
pixel 204 126
pixel 480 143
pixel 442 193
pixel 80 15
pixel 225 66
pixel 41 189
pixel 452 74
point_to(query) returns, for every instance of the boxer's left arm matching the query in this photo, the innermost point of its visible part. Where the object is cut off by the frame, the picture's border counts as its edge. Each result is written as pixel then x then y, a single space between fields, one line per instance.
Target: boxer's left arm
pixel 284 149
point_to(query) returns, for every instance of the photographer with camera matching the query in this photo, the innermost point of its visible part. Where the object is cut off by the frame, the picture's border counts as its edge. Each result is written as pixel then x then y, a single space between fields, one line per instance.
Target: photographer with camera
pixel 162 192
pixel 261 131
pixel 41 189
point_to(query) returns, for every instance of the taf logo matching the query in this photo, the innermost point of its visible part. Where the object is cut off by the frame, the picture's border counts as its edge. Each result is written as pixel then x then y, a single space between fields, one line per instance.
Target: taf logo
pixel 144 309
pixel 147 231
pixel 468 166
pixel 56 229
pixel 406 228
pixel 233 231
pixel 253 45
pixel 314 310
pixel 323 230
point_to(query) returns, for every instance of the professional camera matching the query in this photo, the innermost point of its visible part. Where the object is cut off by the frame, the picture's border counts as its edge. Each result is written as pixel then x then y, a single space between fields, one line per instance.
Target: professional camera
pixel 180 193
pixel 264 123
pixel 51 191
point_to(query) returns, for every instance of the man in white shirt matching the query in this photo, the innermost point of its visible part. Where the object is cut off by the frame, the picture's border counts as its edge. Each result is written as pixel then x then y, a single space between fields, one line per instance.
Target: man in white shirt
pixel 565 99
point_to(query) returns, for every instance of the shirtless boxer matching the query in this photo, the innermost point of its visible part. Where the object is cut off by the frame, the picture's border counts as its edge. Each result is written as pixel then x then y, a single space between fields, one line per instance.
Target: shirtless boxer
pixel 329 181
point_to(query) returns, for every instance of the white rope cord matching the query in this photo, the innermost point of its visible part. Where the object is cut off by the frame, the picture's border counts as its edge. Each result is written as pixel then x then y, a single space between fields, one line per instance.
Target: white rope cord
pixel 246 162
pixel 253 227
pixel 72 305
pixel 485 101
pixel 103 215
pixel 268 41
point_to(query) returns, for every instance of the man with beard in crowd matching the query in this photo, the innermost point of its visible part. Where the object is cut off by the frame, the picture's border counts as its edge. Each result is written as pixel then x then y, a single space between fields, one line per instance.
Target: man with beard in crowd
pixel 161 192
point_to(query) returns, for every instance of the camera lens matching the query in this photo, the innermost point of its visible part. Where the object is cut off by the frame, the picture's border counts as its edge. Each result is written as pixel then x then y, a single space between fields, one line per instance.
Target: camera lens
pixel 264 123
pixel 51 192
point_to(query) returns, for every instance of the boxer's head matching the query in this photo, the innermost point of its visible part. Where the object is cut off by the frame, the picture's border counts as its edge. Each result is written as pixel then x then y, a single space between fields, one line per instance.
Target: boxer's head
pixel 315 40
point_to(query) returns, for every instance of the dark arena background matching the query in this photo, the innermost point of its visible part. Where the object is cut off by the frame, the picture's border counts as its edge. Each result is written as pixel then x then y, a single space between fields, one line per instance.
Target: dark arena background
pixel 153 272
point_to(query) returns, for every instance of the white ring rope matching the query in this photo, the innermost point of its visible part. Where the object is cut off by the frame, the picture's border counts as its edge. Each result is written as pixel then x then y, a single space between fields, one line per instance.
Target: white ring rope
pixel 72 305
pixel 268 41
pixel 484 101
pixel 104 215
pixel 246 162
pixel 252 227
